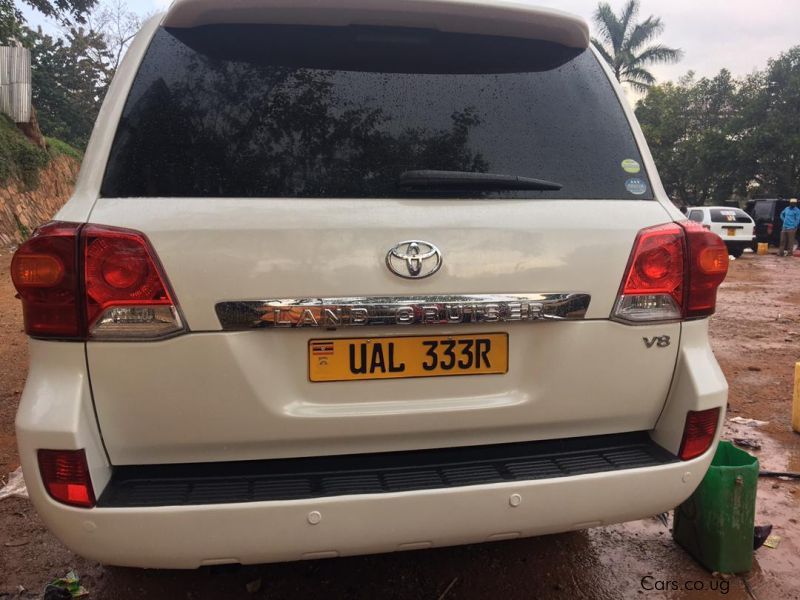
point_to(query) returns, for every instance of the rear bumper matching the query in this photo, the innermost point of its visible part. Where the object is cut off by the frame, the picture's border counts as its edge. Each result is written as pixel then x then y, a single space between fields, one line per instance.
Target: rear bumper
pixel 191 536
pixel 56 412
pixel 739 243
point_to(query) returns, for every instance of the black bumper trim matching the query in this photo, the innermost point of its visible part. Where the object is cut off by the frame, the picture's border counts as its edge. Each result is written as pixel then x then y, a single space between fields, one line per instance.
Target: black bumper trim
pixel 317 477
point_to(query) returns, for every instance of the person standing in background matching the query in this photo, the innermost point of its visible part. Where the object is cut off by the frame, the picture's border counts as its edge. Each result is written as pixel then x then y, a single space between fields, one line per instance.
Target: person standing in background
pixel 791 219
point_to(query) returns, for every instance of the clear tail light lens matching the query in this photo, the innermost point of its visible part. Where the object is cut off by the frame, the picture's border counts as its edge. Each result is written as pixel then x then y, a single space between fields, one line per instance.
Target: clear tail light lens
pixel 93 282
pixel 65 475
pixel 673 273
pixel 698 433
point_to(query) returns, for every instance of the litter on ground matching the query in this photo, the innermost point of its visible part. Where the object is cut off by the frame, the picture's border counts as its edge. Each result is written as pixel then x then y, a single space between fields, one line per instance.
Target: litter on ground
pixel 70 583
pixel 773 541
pixel 15 486
pixel 748 422
pixel 751 443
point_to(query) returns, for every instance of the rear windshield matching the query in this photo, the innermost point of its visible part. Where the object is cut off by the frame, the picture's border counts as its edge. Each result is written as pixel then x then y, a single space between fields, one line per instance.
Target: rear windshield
pixel 288 111
pixel 729 215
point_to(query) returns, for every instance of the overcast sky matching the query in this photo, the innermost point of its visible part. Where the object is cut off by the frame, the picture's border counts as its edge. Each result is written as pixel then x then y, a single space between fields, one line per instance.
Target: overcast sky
pixel 738 34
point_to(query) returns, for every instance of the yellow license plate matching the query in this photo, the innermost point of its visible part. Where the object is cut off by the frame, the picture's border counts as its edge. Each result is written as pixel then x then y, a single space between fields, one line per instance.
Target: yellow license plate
pixel 731 231
pixel 351 359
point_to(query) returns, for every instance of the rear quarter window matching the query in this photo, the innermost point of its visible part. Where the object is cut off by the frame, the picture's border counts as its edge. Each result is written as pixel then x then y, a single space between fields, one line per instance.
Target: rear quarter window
pixel 287 111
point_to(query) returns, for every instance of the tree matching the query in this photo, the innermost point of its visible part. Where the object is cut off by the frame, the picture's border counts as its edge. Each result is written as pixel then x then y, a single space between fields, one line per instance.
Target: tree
pixel 694 129
pixel 10 22
pixel 118 25
pixel 771 125
pixel 70 77
pixel 624 45
pixel 64 11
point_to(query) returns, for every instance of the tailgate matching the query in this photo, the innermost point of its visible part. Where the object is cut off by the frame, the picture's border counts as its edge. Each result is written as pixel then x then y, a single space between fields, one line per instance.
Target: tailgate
pixel 213 395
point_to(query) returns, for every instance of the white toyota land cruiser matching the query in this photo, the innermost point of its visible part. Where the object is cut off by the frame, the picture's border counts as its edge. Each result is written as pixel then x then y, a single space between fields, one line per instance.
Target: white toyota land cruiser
pixel 355 276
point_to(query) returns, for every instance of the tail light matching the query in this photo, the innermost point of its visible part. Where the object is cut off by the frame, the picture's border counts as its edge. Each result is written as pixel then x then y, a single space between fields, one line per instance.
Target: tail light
pixel 698 433
pixel 770 226
pixel 673 273
pixel 66 477
pixel 93 282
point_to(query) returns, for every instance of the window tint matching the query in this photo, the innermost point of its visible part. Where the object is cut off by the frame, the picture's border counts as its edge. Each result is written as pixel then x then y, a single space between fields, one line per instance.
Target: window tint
pixel 763 211
pixel 287 111
pixel 729 215
pixel 696 215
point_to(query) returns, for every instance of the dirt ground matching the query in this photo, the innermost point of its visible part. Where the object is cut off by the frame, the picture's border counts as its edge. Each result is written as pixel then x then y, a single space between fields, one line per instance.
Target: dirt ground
pixel 755 336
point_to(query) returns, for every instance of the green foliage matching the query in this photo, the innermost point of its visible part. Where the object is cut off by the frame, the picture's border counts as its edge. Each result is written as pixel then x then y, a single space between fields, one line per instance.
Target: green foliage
pixel 70 77
pixel 18 157
pixel 716 138
pixel 59 148
pixel 10 22
pixel 23 229
pixel 770 130
pixel 65 11
pixel 626 45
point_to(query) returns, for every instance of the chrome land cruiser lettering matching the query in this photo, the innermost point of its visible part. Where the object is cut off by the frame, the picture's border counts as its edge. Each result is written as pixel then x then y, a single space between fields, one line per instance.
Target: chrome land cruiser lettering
pixel 420 310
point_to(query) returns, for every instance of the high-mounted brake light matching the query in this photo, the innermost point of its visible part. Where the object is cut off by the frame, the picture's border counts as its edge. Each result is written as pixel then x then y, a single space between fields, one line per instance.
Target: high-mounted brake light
pixel 93 282
pixel 698 433
pixel 673 273
pixel 65 475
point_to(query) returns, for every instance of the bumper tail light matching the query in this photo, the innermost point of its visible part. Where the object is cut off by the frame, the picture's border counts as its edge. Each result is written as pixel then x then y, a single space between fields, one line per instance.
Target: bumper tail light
pixel 93 282
pixel 65 474
pixel 698 433
pixel 673 273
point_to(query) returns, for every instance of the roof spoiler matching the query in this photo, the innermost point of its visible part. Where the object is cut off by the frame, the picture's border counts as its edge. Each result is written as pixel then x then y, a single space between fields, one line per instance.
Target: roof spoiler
pixel 489 17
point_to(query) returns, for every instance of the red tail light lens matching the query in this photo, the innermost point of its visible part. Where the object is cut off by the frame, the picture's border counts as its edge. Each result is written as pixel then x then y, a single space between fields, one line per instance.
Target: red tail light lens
pixel 708 266
pixel 44 271
pixel 673 273
pixel 770 226
pixel 126 290
pixel 66 477
pixel 653 286
pixel 90 281
pixel 699 432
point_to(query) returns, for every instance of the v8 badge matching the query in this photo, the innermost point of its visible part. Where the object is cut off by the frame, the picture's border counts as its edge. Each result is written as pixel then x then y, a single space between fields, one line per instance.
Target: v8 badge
pixel 661 341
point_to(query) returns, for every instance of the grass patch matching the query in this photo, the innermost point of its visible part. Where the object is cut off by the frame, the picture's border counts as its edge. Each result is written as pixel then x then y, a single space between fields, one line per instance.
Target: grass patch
pixel 18 157
pixel 59 148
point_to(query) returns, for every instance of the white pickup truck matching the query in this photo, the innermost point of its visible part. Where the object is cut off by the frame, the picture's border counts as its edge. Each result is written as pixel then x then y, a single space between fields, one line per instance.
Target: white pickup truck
pixel 356 276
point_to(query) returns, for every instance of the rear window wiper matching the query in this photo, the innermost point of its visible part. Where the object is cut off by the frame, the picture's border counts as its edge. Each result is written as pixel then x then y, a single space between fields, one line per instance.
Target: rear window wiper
pixel 467 180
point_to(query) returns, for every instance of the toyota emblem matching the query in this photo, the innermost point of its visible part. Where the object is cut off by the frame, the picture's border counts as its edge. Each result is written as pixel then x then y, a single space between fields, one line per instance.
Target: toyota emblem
pixel 414 259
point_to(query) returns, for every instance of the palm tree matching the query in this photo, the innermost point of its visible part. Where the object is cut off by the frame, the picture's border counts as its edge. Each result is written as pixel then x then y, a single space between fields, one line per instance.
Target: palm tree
pixel 623 44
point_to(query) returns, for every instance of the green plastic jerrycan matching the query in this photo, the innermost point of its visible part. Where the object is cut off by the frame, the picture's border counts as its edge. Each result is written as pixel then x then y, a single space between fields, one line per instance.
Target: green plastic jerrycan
pixel 715 525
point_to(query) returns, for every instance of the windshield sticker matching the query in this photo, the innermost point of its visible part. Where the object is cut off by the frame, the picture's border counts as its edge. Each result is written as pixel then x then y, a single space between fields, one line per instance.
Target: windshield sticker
pixel 636 186
pixel 630 166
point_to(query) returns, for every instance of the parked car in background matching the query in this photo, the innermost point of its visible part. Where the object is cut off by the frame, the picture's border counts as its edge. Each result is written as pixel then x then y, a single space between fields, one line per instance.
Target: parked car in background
pixel 766 213
pixel 733 225
pixel 355 276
